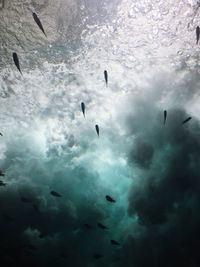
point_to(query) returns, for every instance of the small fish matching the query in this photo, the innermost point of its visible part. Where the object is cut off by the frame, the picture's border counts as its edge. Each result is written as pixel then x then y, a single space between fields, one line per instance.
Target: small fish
pixel 63 255
pixel 106 77
pixel 88 226
pixel 186 120
pixel 97 256
pixel 83 108
pixel 8 218
pixel 114 242
pixel 97 129
pixel 36 208
pixel 1 173
pixel 2 183
pixel 1 4
pixel 37 20
pixel 16 61
pixel 197 33
pixel 1 134
pixel 30 247
pixel 41 235
pixel 100 225
pixel 165 116
pixel 26 200
pixel 28 253
pixel 110 199
pixel 55 194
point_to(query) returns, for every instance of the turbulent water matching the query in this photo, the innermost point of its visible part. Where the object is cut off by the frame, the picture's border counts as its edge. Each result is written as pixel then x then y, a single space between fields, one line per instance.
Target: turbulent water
pixel 152 170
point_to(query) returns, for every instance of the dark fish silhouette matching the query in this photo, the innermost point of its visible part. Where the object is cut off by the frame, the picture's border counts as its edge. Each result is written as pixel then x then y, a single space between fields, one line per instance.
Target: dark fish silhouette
pixel 97 256
pixel 41 235
pixel 88 226
pixel 97 129
pixel 165 116
pixel 83 108
pixel 30 247
pixel 55 194
pixel 188 119
pixel 1 134
pixel 27 253
pixel 106 77
pixel 7 217
pixel 1 4
pixel 36 208
pixel 110 199
pixel 63 255
pixel 37 20
pixel 16 61
pixel 26 200
pixel 197 33
pixel 1 173
pixel 2 183
pixel 100 225
pixel 114 242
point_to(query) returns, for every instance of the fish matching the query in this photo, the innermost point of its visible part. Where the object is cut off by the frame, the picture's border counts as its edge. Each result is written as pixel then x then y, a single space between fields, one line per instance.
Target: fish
pixel 88 226
pixel 1 134
pixel 41 235
pixel 16 61
pixel 55 194
pixel 2 183
pixel 100 225
pixel 30 247
pixel 1 4
pixel 37 20
pixel 63 255
pixel 114 242
pixel 27 253
pixel 197 33
pixel 83 108
pixel 8 218
pixel 97 256
pixel 106 77
pixel 97 129
pixel 186 120
pixel 26 200
pixel 110 199
pixel 165 116
pixel 36 208
pixel 1 173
